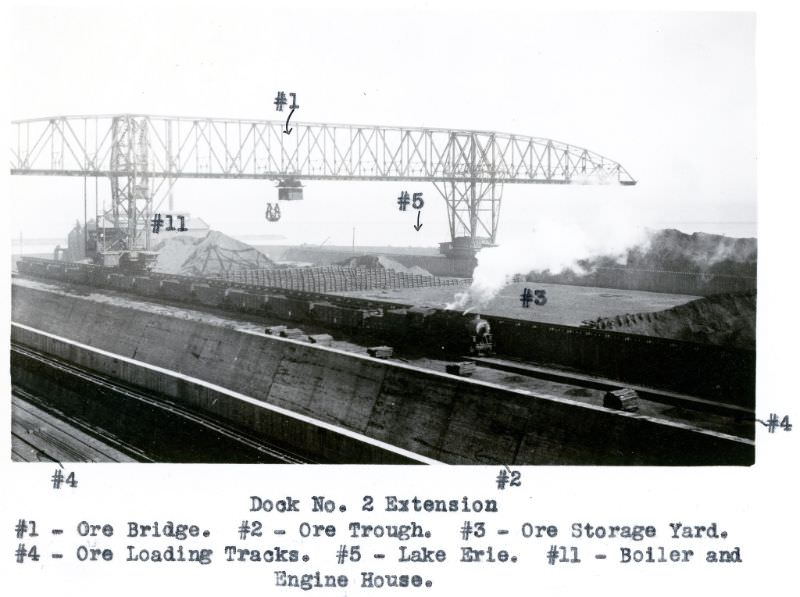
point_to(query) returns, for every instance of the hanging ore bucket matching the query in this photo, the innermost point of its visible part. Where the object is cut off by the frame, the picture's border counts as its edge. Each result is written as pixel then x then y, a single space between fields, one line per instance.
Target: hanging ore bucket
pixel 290 189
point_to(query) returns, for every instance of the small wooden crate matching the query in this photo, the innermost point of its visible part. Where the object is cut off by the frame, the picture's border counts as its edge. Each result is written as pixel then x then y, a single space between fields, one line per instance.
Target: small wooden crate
pixel 293 333
pixel 380 352
pixel 623 399
pixel 464 368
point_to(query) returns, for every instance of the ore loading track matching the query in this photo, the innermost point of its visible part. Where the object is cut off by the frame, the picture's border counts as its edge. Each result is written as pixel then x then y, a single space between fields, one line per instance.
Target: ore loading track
pixel 40 433
pixel 142 426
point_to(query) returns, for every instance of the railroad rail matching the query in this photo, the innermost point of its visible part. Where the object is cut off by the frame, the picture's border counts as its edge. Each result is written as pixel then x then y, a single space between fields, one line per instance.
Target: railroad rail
pixel 136 399
pixel 238 427
pixel 738 413
pixel 80 442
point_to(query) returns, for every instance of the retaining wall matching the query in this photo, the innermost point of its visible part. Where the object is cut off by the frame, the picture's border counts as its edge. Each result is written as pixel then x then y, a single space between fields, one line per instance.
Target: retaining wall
pixel 440 416
pixel 299 435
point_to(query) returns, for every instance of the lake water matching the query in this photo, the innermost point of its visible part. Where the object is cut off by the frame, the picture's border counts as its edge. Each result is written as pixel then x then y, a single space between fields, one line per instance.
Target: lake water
pixel 732 229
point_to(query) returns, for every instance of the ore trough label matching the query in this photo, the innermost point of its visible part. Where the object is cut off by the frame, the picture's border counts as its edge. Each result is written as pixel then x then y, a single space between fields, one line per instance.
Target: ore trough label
pixel 300 541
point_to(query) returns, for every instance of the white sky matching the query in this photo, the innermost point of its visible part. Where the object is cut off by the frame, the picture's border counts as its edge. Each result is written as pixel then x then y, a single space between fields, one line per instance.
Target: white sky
pixel 669 96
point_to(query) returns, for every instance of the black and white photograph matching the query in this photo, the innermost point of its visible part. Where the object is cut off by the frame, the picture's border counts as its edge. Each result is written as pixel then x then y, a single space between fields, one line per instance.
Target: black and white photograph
pixel 383 241
pixel 516 279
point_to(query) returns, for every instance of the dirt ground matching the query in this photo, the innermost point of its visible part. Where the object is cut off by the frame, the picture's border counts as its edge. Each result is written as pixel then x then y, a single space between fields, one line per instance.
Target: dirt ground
pixel 566 305
pixel 726 320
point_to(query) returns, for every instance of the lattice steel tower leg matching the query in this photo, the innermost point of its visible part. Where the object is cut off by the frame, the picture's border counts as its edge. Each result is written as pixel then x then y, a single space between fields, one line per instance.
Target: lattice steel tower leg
pixel 473 212
pixel 131 199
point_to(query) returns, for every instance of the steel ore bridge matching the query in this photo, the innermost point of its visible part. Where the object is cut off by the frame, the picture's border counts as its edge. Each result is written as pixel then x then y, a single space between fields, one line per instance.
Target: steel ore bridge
pixel 143 156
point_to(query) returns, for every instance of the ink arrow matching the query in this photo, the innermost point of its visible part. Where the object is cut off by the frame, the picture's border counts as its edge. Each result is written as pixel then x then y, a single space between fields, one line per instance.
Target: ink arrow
pixel 417 226
pixel 286 129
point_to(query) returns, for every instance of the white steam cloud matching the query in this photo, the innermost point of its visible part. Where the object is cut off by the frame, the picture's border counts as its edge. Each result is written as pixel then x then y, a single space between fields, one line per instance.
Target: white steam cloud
pixel 551 245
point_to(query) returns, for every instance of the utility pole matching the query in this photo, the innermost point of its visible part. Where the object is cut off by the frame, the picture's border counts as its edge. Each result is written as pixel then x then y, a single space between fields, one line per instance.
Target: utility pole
pixel 85 227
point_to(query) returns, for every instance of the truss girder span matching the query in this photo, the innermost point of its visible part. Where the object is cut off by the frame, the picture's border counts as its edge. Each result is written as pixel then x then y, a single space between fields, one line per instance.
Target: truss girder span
pixel 203 148
pixel 468 167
